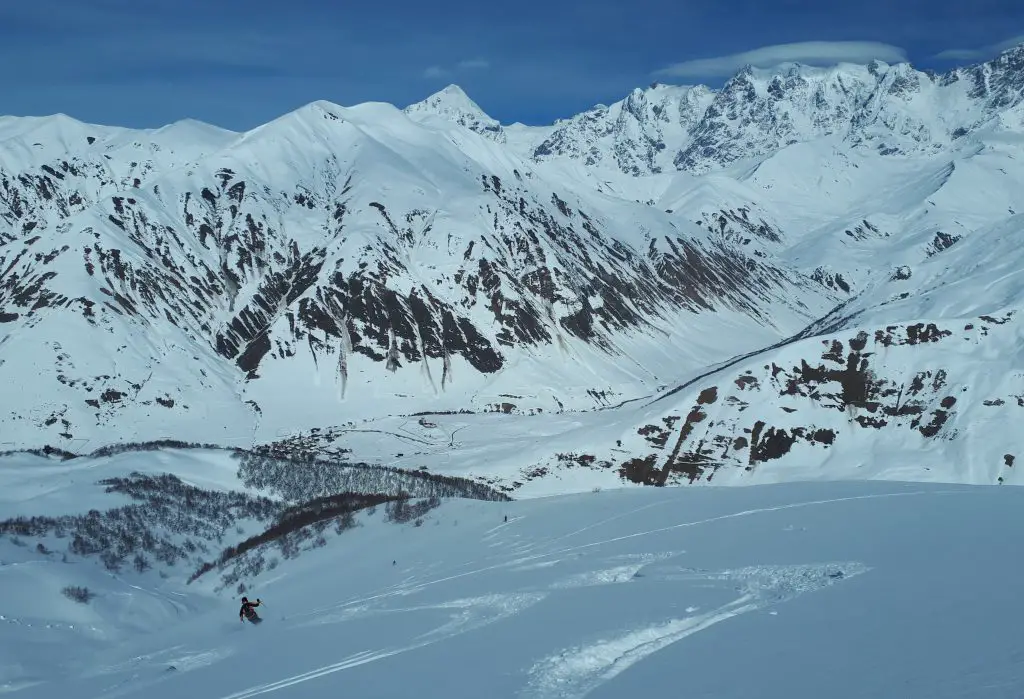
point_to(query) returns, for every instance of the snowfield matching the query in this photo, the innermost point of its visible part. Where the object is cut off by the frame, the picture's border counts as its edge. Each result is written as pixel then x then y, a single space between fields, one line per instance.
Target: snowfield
pixel 799 590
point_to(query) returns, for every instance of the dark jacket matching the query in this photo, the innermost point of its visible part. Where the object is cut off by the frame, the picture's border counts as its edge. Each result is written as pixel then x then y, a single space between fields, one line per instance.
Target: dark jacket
pixel 248 609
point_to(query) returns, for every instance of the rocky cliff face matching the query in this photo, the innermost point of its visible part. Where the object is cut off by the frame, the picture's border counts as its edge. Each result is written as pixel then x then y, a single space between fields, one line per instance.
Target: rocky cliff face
pixel 890 109
pixel 638 135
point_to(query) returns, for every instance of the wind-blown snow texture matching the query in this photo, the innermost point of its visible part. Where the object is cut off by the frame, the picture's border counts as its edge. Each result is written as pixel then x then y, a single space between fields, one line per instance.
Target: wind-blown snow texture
pixel 783 278
pixel 797 590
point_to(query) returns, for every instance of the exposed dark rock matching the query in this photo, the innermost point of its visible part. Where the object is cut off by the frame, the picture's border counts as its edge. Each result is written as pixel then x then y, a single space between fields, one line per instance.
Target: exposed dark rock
pixel 941 242
pixel 901 273
pixel 641 470
pixel 776 443
pixel 708 395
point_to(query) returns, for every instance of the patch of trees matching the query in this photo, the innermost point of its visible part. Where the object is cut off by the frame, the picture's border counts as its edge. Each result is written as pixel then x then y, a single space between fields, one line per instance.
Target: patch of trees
pixel 172 522
pixel 299 480
pixel 46 451
pixel 169 521
pixel 113 449
pixel 156 445
pixel 303 476
pixel 303 527
pixel 82 595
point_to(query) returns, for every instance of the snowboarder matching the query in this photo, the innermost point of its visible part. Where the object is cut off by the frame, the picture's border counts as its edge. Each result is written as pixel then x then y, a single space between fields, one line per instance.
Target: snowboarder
pixel 248 611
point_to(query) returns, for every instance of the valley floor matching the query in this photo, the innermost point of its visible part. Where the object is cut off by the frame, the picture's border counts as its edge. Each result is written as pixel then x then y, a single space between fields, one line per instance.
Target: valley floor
pixel 840 590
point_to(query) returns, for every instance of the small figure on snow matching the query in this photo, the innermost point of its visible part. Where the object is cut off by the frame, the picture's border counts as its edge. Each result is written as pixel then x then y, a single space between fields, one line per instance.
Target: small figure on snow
pixel 248 611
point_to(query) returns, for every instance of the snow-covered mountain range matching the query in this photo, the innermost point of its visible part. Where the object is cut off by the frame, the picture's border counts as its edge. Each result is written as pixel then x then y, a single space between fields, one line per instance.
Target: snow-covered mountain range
pixel 806 273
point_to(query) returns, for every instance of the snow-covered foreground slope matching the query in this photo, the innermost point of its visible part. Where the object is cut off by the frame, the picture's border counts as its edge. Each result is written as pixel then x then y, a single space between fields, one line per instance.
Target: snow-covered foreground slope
pixel 797 590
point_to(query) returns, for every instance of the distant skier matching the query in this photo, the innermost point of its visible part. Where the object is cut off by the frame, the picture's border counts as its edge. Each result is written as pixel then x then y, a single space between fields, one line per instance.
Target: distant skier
pixel 248 611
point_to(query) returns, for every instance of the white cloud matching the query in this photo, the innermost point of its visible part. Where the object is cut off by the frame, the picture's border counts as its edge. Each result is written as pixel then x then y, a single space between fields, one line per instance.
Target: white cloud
pixel 980 53
pixel 440 72
pixel 808 52
pixel 435 73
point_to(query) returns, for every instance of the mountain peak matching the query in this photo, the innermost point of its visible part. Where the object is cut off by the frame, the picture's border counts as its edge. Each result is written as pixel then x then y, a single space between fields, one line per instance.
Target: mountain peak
pixel 455 92
pixel 450 100
pixel 454 105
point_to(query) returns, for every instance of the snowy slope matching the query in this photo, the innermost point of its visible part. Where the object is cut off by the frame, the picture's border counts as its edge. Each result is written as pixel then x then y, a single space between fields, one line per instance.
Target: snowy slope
pixel 929 401
pixel 54 167
pixel 802 585
pixel 345 253
pixel 630 135
pixel 545 294
pixel 453 105
pixel 887 110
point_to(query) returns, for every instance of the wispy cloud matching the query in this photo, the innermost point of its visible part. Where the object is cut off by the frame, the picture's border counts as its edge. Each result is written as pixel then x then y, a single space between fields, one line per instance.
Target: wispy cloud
pixel 440 72
pixel 436 73
pixel 979 53
pixel 809 52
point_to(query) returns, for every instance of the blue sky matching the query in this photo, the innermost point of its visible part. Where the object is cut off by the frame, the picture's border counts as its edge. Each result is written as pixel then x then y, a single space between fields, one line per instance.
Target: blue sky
pixel 239 63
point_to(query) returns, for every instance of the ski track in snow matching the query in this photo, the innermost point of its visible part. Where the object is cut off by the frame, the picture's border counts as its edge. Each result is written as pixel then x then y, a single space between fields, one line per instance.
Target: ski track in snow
pixel 574 549
pixel 570 667
pixel 605 521
pixel 467 617
pixel 352 661
pixel 614 574
pixel 575 672
pixel 142 668
pixel 489 534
